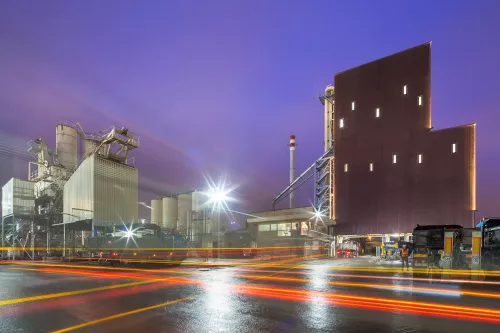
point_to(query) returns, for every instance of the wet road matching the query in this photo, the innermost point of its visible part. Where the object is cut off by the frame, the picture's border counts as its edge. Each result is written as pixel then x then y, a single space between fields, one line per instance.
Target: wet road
pixel 312 296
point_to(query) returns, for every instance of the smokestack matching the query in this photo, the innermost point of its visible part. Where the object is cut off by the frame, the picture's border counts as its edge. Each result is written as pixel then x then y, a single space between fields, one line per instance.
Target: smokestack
pixel 292 168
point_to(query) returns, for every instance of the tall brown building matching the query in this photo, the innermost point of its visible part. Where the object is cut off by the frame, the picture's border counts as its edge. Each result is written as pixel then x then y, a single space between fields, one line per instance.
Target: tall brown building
pixel 392 170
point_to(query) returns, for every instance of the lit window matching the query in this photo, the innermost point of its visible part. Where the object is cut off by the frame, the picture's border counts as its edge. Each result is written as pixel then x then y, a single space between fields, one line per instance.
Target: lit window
pixel 346 167
pixel 264 227
pixel 420 100
pixel 419 158
pixel 404 89
pixel 341 123
pixel 377 112
pixel 371 167
pixel 352 106
pixel 454 148
pixel 274 227
pixel 394 159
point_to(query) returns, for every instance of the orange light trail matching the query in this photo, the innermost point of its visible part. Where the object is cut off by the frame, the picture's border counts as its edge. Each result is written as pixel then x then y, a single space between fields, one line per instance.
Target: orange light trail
pixel 440 310
pixel 371 277
pixel 437 309
pixel 131 275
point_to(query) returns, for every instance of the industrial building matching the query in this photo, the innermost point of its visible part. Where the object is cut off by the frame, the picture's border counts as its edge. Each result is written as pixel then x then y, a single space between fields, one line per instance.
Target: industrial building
pixel 70 195
pixel 392 169
pixel 191 214
pixel 385 169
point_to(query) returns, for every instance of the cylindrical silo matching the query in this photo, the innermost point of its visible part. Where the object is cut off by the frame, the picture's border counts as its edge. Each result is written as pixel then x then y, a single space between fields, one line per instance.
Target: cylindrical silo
pixel 199 199
pixel 66 145
pixel 169 219
pixel 184 205
pixel 156 211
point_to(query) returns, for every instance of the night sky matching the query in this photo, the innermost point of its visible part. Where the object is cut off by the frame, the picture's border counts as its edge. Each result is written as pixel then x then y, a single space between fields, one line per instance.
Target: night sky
pixel 216 87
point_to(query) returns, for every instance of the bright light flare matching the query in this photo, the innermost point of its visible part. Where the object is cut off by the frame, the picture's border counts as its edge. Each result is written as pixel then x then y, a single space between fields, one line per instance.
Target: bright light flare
pixel 130 233
pixel 318 214
pixel 218 194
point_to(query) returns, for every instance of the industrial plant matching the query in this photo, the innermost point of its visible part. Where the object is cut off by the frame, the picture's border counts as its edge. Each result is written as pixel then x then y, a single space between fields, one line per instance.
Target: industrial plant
pixel 87 183
pixel 384 169
pixel 189 214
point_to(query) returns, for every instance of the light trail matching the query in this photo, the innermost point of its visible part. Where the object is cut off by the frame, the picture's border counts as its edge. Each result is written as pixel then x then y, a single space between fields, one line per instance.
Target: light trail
pixel 69 293
pixel 435 309
pixel 385 304
pixel 372 277
pixel 374 306
pixel 399 287
pixel 77 299
pixel 120 315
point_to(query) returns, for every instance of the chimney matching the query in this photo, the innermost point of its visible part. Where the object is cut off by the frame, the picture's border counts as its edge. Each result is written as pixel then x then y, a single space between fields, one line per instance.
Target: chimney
pixel 292 168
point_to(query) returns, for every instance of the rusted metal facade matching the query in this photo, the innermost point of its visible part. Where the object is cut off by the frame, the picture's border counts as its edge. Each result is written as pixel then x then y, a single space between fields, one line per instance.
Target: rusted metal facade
pixel 392 170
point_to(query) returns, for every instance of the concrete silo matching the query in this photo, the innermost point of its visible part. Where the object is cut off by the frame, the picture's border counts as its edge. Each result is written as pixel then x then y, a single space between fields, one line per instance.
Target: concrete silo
pixel 184 208
pixel 66 145
pixel 169 219
pixel 156 211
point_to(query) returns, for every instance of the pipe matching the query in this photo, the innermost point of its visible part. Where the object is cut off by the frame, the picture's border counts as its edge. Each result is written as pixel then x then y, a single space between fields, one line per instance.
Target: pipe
pixel 292 169
pixel 294 185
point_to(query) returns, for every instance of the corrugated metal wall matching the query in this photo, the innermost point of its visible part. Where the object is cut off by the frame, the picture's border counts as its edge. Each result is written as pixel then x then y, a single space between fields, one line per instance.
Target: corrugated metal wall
pixel 116 192
pixel 78 200
pixel 102 190
pixel 18 198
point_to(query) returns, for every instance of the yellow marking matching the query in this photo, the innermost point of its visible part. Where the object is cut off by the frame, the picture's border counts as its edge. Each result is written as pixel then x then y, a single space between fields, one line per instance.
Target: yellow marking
pixel 100 320
pixel 70 293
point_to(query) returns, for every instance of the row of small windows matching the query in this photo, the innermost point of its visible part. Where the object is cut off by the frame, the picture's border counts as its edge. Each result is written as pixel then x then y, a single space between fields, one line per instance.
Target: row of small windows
pixel 377 110
pixel 420 159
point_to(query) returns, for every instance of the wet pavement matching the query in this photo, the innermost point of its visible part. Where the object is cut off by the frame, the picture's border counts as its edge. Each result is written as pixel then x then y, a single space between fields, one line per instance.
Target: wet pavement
pixel 333 295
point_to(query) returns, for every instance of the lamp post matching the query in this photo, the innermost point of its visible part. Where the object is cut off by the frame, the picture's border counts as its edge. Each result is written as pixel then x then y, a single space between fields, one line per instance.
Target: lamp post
pixel 218 197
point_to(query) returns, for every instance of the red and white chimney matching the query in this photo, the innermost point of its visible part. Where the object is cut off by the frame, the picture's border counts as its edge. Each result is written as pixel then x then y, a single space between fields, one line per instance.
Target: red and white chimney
pixel 292 168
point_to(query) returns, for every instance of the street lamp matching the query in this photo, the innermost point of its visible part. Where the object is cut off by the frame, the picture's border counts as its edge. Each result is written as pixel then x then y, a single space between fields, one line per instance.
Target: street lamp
pixel 218 196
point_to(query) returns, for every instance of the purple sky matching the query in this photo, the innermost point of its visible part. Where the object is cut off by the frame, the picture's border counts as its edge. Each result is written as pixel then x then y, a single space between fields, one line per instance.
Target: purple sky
pixel 216 87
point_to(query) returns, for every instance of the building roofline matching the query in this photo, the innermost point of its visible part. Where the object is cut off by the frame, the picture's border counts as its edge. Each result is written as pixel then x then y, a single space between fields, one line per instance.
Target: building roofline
pixel 388 56
pixel 283 209
pixel 451 128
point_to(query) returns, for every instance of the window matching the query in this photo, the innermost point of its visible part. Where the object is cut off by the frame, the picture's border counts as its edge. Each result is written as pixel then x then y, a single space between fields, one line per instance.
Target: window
pixel 352 106
pixel 284 229
pixel 420 100
pixel 404 89
pixel 394 159
pixel 420 158
pixel 371 167
pixel 341 123
pixel 295 226
pixel 454 148
pixel 346 167
pixel 377 112
pixel 264 227
pixel 274 227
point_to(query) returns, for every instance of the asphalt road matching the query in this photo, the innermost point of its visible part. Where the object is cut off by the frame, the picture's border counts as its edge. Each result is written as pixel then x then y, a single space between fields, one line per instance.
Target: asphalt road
pixel 311 296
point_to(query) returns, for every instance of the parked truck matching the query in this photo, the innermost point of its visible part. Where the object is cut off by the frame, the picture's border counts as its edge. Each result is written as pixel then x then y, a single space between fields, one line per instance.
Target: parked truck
pixel 348 250
pixel 428 243
pixel 490 242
